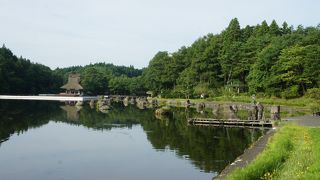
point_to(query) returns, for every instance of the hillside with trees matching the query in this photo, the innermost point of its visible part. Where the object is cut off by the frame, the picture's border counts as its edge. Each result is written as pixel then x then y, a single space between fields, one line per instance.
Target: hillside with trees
pixel 270 59
pixel 273 60
pixel 20 76
pixel 102 78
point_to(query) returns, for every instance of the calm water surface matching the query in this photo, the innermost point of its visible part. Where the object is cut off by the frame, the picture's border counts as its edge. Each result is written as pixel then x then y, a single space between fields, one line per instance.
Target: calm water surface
pixel 50 140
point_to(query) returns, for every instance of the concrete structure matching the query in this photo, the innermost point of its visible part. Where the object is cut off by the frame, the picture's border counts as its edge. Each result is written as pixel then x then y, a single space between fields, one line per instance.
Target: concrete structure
pixel 50 98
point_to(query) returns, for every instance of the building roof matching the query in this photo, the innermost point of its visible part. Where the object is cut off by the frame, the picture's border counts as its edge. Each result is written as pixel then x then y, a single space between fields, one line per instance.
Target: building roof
pixel 72 112
pixel 73 82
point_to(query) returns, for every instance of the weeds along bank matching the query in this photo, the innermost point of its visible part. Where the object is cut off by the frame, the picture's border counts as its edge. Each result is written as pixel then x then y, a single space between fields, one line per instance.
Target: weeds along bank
pixel 289 108
pixel 292 153
pixel 303 101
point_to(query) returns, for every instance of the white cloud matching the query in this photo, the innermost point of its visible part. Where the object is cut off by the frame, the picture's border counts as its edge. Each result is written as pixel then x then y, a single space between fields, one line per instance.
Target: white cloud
pixel 128 32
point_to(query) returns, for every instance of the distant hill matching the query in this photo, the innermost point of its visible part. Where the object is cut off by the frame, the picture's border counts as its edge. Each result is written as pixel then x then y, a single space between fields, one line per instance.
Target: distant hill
pixel 273 60
pixel 20 76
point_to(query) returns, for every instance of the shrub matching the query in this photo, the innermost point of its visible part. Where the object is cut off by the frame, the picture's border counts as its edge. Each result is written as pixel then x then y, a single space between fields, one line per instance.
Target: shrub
pixel 313 93
pixel 291 92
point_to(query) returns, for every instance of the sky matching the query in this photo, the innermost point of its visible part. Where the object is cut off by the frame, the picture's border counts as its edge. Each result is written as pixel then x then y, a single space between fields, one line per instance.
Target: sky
pixel 62 33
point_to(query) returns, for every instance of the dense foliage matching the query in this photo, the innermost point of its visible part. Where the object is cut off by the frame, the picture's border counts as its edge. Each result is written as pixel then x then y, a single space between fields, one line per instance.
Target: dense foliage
pixel 280 61
pixel 20 76
pixel 101 78
pixel 270 59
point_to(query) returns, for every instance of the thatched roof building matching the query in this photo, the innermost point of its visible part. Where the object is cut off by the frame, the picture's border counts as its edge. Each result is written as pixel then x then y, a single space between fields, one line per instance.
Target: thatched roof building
pixel 73 85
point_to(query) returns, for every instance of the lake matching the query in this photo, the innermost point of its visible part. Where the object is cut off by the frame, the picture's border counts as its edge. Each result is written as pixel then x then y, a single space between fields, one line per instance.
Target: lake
pixel 53 140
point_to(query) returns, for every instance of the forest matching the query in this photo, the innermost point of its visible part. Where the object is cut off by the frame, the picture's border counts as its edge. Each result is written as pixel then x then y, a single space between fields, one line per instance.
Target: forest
pixel 273 60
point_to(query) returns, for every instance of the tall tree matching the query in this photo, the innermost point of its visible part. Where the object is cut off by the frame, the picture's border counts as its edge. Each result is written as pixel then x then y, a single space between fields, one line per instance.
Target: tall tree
pixel 94 81
pixel 274 28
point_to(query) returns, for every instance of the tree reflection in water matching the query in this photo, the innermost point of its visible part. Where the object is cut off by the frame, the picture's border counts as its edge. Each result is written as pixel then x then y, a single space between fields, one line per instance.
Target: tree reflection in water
pixel 207 148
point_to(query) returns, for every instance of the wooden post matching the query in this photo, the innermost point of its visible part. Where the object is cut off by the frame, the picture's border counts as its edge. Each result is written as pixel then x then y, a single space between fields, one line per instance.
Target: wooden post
pixel 275 112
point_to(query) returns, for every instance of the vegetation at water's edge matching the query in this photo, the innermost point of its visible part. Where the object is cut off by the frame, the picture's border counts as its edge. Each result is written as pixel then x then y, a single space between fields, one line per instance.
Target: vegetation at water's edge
pixel 271 60
pixel 313 105
pixel 292 153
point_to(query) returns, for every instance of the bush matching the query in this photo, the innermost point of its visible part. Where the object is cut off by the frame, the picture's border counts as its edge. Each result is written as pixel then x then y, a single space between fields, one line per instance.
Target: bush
pixel 291 92
pixel 313 93
pixel 214 92
pixel 171 94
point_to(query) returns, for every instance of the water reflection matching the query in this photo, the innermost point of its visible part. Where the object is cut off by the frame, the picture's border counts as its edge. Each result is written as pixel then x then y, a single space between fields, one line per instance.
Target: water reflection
pixel 208 149
pixel 73 112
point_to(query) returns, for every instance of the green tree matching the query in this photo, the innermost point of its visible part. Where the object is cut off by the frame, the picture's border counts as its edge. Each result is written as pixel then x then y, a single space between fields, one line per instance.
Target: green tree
pixel 288 73
pixel 274 28
pixel 94 81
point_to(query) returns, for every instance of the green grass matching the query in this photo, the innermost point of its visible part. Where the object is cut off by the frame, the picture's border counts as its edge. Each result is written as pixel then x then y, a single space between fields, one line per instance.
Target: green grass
pixel 303 101
pixel 313 171
pixel 302 105
pixel 292 153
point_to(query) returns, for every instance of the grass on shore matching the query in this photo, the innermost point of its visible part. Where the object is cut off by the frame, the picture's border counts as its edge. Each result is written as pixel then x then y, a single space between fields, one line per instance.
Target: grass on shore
pixel 292 153
pixel 302 101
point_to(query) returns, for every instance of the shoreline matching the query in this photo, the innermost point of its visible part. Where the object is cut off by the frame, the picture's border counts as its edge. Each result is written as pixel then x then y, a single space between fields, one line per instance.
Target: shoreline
pixel 48 98
pixel 210 102
pixel 248 155
pixel 258 147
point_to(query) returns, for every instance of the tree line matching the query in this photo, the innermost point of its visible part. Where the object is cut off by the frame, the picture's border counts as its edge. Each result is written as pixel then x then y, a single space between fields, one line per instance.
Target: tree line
pixel 22 77
pixel 274 60
pixel 270 59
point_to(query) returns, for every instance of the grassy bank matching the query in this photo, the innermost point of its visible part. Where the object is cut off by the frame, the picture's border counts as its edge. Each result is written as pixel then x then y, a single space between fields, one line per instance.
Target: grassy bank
pixel 292 153
pixel 303 101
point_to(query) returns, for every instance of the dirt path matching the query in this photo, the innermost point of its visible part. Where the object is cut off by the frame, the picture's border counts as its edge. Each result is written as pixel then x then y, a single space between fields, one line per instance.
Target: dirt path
pixel 248 155
pixel 308 120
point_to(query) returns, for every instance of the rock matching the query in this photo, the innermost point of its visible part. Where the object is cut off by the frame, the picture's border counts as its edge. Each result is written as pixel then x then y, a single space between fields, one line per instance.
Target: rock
pixel 132 101
pixel 217 111
pixel 92 104
pixel 126 101
pixel 79 103
pixel 188 103
pixel 104 104
pixel 200 107
pixel 253 113
pixel 233 109
pixel 275 112
pixel 316 114
pixel 104 111
pixel 163 111
pixel 260 111
pixel 104 107
pixel 153 102
pixel 141 103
